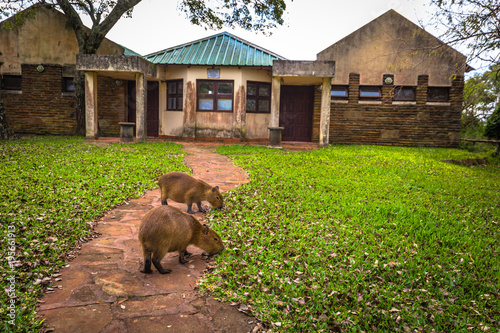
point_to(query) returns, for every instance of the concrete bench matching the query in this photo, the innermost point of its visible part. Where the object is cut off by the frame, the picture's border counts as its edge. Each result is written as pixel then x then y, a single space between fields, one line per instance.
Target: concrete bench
pixel 126 132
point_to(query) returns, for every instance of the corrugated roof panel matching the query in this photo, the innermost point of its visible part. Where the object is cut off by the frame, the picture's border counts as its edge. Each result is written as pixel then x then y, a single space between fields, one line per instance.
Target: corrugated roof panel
pixel 213 51
pixel 250 54
pixel 227 51
pixel 222 49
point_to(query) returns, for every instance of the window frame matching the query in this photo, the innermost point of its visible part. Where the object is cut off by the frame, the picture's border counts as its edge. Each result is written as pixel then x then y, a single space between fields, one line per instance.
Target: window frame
pixel 378 88
pixel 215 96
pixel 258 98
pixel 340 87
pixel 402 99
pixel 445 89
pixel 177 95
pixel 65 86
pixel 15 87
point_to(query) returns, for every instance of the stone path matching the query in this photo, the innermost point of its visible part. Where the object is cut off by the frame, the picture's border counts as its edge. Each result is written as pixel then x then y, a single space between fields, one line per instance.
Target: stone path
pixel 102 290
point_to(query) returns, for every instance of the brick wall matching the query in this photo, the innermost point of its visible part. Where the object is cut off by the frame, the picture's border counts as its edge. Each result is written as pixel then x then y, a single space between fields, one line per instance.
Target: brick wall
pixel 387 122
pixel 111 105
pixel 42 108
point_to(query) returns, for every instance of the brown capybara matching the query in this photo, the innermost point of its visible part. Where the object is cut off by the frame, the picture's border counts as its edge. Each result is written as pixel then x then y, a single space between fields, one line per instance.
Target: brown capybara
pixel 184 188
pixel 166 229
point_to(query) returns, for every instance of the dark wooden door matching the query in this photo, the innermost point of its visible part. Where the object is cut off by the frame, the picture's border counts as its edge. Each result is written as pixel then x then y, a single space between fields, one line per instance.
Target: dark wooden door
pixel 153 106
pixel 296 112
pixel 152 109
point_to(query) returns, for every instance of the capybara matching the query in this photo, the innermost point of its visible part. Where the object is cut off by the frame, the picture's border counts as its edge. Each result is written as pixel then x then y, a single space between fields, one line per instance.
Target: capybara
pixel 184 188
pixel 166 229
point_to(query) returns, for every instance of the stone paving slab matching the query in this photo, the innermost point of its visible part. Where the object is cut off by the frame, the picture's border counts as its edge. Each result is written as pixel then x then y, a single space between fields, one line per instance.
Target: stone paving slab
pixel 102 289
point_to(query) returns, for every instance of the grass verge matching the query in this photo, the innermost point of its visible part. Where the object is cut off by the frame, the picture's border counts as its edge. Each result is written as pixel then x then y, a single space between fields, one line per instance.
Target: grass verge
pixel 51 188
pixel 362 238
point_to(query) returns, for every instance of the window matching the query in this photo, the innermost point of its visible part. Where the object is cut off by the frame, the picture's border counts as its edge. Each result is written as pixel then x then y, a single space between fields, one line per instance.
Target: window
pixel 11 82
pixel 215 95
pixel 404 93
pixel 438 94
pixel 339 92
pixel 174 95
pixel 370 92
pixel 258 97
pixel 68 84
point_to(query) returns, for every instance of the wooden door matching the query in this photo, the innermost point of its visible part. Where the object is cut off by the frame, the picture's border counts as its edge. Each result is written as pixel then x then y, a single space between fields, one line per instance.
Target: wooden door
pixel 296 112
pixel 153 120
pixel 152 109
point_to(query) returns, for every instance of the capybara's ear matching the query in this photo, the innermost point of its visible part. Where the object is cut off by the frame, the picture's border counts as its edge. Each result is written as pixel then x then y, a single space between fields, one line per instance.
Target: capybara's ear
pixel 215 188
pixel 205 229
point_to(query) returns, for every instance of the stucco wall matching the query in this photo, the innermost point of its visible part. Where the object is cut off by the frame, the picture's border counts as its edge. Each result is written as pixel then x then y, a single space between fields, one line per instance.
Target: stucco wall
pixel 43 39
pixel 192 123
pixel 392 44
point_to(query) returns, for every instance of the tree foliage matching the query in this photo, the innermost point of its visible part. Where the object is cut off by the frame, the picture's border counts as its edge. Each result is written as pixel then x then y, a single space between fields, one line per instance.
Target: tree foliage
pixel 492 129
pixel 256 15
pixel 481 92
pixel 474 24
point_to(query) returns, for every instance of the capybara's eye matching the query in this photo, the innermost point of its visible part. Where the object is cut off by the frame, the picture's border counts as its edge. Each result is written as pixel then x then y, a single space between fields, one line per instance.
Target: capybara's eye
pixel 217 198
pixel 215 238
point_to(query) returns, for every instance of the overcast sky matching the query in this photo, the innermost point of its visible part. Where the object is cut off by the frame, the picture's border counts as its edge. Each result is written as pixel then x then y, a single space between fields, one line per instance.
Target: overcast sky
pixel 311 25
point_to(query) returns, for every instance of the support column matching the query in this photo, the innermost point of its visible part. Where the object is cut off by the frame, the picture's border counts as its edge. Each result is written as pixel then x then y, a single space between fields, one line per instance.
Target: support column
pixel 141 85
pixel 91 105
pixel 275 101
pixel 274 129
pixel 324 122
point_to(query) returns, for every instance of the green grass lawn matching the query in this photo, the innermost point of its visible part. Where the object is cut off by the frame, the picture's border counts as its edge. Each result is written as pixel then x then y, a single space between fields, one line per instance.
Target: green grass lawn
pixel 362 238
pixel 50 189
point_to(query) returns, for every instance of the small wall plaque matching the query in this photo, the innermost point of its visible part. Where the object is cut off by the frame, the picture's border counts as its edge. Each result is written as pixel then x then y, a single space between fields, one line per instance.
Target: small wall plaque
pixel 213 73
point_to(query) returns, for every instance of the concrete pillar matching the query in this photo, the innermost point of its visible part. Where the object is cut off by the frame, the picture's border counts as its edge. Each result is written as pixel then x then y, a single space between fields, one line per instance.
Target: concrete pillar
pixel 275 101
pixel 91 105
pixel 274 129
pixel 189 116
pixel 141 85
pixel 324 122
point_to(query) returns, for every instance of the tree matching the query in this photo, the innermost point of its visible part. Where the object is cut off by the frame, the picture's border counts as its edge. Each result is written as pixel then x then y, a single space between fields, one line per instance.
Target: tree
pixel 248 14
pixel 474 24
pixel 492 129
pixel 5 131
pixel 481 92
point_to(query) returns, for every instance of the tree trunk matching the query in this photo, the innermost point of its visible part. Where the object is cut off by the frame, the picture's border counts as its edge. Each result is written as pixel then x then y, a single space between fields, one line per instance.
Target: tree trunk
pixel 5 131
pixel 80 103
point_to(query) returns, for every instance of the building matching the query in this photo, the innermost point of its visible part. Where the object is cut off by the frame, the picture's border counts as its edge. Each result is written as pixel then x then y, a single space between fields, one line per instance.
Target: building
pixel 38 64
pixel 395 84
pixel 389 82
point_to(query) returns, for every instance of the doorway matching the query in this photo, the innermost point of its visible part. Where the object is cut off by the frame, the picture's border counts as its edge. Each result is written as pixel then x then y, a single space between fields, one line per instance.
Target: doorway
pixel 296 112
pixel 152 108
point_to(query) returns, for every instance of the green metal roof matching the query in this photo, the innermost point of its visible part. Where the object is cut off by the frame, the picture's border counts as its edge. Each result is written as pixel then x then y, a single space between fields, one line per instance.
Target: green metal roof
pixel 129 52
pixel 222 49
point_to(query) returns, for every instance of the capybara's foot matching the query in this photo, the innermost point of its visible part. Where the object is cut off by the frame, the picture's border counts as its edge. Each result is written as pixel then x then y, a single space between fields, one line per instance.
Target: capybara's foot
pixel 160 268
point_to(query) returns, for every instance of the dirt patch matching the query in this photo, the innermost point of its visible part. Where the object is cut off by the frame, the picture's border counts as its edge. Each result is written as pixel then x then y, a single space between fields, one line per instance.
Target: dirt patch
pixel 469 162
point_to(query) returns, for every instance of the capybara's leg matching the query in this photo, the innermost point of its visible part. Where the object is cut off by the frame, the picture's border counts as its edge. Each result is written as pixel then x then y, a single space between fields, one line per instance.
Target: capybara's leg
pixel 147 264
pixel 164 199
pixel 181 257
pixel 200 208
pixel 157 257
pixel 189 208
